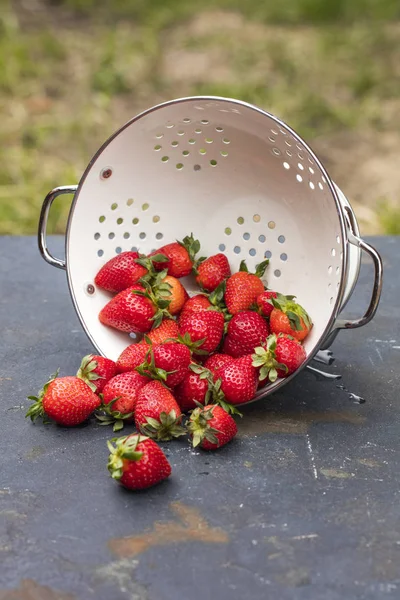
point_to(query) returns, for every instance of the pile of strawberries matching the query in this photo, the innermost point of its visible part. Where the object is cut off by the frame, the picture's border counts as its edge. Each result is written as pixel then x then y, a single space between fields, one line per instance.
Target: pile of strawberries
pixel 199 357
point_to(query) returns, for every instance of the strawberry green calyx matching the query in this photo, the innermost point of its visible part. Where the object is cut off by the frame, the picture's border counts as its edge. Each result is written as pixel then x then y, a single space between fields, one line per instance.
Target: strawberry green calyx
pixel 123 448
pixel 149 369
pixel 200 429
pixel 295 312
pixel 86 371
pixel 214 392
pixel 193 346
pixel 159 293
pixel 168 427
pixel 148 263
pixel 260 268
pixel 36 409
pixel 107 416
pixel 264 357
pixel 192 246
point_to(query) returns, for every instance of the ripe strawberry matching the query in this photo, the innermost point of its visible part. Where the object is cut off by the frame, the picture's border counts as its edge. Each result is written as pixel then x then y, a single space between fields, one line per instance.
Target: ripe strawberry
pixel 67 400
pixel 243 288
pixel 196 303
pixel 246 330
pixel 264 302
pixel 168 329
pixel 289 317
pixel 207 325
pixel 238 380
pixel 96 371
pixel 137 462
pixel 129 311
pixel 119 273
pixel 180 257
pixel 157 413
pixel 167 362
pixel 133 356
pixel 123 389
pixel 281 357
pixel 212 272
pixel 211 427
pixel 216 361
pixel 193 389
pixel 178 295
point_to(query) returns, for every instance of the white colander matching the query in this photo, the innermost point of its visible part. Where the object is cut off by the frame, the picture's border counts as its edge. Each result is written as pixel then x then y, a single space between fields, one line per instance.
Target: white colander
pixel 243 182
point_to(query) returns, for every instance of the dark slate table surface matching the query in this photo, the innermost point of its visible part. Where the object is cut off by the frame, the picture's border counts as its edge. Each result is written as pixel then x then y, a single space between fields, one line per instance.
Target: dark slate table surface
pixel 303 505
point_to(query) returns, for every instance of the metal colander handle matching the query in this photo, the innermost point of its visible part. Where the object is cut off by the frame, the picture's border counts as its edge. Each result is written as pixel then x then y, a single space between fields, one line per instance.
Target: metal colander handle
pixel 44 215
pixel 376 290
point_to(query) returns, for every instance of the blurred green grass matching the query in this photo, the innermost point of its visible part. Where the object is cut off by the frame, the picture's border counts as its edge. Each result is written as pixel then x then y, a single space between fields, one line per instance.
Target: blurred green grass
pixel 72 71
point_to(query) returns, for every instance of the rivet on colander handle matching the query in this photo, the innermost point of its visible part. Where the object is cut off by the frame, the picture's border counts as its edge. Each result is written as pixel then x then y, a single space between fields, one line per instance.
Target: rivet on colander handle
pixel 44 215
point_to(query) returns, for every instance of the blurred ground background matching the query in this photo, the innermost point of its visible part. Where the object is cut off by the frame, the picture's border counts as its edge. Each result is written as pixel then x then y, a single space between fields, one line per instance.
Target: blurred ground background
pixel 73 71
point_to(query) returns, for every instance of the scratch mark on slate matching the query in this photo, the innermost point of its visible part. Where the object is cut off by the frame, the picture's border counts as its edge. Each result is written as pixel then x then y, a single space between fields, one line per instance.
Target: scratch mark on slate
pixel 312 457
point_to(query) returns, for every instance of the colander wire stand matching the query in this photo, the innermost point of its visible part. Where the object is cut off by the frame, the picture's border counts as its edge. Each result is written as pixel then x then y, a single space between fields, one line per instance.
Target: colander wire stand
pixel 243 182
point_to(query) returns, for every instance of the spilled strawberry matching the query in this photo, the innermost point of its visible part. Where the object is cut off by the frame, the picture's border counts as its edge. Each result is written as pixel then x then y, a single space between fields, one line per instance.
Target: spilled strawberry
pixel 211 427
pixel 137 462
pixel 68 401
pixel 96 371
pixel 119 398
pixel 157 413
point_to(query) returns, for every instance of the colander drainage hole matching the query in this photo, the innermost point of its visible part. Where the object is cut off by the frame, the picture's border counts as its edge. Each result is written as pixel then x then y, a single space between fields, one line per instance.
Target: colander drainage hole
pixel 256 218
pixel 102 219
pixel 299 178
pixel 286 165
pixel 277 273
pixel 159 236
pixel 219 129
pixel 252 252
pixel 261 238
pixel 142 235
pixel 179 166
pixel 221 247
pixel 236 249
pixel 228 230
pixel 333 252
pixel 129 202
pixel 300 166
pixel 145 206
pixel 196 168
pixel 204 122
pixel 192 141
pixel 114 206
pixel 226 141
pixel 268 254
pixel 165 159
pixel 213 163
pixel 127 235
pixel 223 153
pixel 186 120
pixel 240 221
pixel 134 249
pixel 281 239
pixel 246 236
pixel 156 219
pixel 330 269
pixel 157 147
pixel 118 250
pixel 96 236
pixel 174 144
pixel 120 221
pixel 111 235
pixel 100 252
pixel 283 256
pixel 135 221
pixel 271 225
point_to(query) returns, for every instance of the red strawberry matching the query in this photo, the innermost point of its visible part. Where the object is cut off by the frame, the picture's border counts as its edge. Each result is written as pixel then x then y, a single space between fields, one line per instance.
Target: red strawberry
pixel 289 317
pixel 207 325
pixel 216 361
pixel 157 413
pixel 180 257
pixel 169 362
pixel 129 311
pixel 137 462
pixel 191 390
pixel 281 357
pixel 243 288
pixel 125 387
pixel 96 371
pixel 211 427
pixel 67 400
pixel 178 295
pixel 133 356
pixel 168 329
pixel 264 302
pixel 196 303
pixel 212 272
pixel 238 380
pixel 119 273
pixel 246 330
